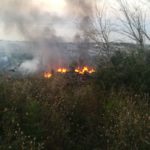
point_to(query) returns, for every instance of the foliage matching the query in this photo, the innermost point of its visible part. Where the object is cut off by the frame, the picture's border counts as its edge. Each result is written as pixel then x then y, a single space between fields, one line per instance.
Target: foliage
pixel 105 111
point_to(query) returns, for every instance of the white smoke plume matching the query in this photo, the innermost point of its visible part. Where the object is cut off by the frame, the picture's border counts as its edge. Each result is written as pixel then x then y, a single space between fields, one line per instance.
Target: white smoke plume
pixel 38 27
pixel 29 66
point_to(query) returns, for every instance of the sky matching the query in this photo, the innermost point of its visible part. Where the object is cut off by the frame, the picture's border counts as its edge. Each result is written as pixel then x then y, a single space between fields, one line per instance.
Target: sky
pixel 65 22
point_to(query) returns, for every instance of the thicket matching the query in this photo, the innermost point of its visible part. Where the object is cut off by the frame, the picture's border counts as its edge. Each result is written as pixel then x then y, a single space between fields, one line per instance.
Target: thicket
pixel 109 110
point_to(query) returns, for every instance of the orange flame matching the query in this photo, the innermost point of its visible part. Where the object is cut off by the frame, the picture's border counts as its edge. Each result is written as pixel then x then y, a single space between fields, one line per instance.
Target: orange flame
pixel 62 70
pixel 85 69
pixel 47 75
pixel 79 70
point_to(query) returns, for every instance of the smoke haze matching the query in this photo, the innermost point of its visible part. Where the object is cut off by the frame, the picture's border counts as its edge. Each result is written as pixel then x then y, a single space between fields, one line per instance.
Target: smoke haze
pixel 38 27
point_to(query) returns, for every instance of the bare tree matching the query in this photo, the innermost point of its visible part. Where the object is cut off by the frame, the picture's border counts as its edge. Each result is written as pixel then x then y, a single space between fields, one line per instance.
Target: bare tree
pixel 145 31
pixel 134 23
pixel 98 29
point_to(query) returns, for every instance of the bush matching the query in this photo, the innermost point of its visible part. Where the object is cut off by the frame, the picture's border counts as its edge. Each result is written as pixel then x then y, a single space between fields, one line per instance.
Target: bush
pixel 107 111
pixel 52 114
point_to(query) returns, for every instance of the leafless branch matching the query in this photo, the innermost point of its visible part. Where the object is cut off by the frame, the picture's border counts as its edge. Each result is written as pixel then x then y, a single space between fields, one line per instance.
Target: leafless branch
pixel 134 23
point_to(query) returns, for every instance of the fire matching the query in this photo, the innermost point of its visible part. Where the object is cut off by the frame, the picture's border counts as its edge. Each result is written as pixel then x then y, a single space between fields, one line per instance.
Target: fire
pixel 85 69
pixel 47 75
pixel 62 70
pixel 80 70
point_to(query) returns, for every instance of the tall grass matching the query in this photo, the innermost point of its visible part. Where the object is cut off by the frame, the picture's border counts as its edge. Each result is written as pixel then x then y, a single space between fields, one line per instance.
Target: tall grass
pixel 65 114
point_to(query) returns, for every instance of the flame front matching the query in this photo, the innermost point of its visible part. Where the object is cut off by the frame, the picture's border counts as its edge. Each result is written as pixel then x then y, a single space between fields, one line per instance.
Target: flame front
pixel 47 75
pixel 62 70
pixel 80 70
pixel 85 69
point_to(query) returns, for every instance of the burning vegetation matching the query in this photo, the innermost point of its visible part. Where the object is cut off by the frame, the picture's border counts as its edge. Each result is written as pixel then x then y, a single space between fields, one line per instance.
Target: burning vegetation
pixel 47 75
pixel 84 70
pixel 62 70
pixel 78 70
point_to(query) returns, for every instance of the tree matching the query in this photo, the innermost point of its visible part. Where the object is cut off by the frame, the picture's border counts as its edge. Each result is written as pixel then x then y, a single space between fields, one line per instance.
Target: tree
pixel 134 23
pixel 99 29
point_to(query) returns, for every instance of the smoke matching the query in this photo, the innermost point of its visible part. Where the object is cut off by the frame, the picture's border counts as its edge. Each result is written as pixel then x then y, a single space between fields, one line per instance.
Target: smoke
pixel 27 18
pixel 81 8
pixel 29 67
pixel 37 27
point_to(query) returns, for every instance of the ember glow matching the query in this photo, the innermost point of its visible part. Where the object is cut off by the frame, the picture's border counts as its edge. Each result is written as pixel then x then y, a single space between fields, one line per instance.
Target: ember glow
pixel 47 75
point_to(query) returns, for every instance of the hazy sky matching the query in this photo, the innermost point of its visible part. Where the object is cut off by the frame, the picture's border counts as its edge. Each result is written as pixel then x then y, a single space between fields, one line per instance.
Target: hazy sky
pixel 50 6
pixel 66 24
